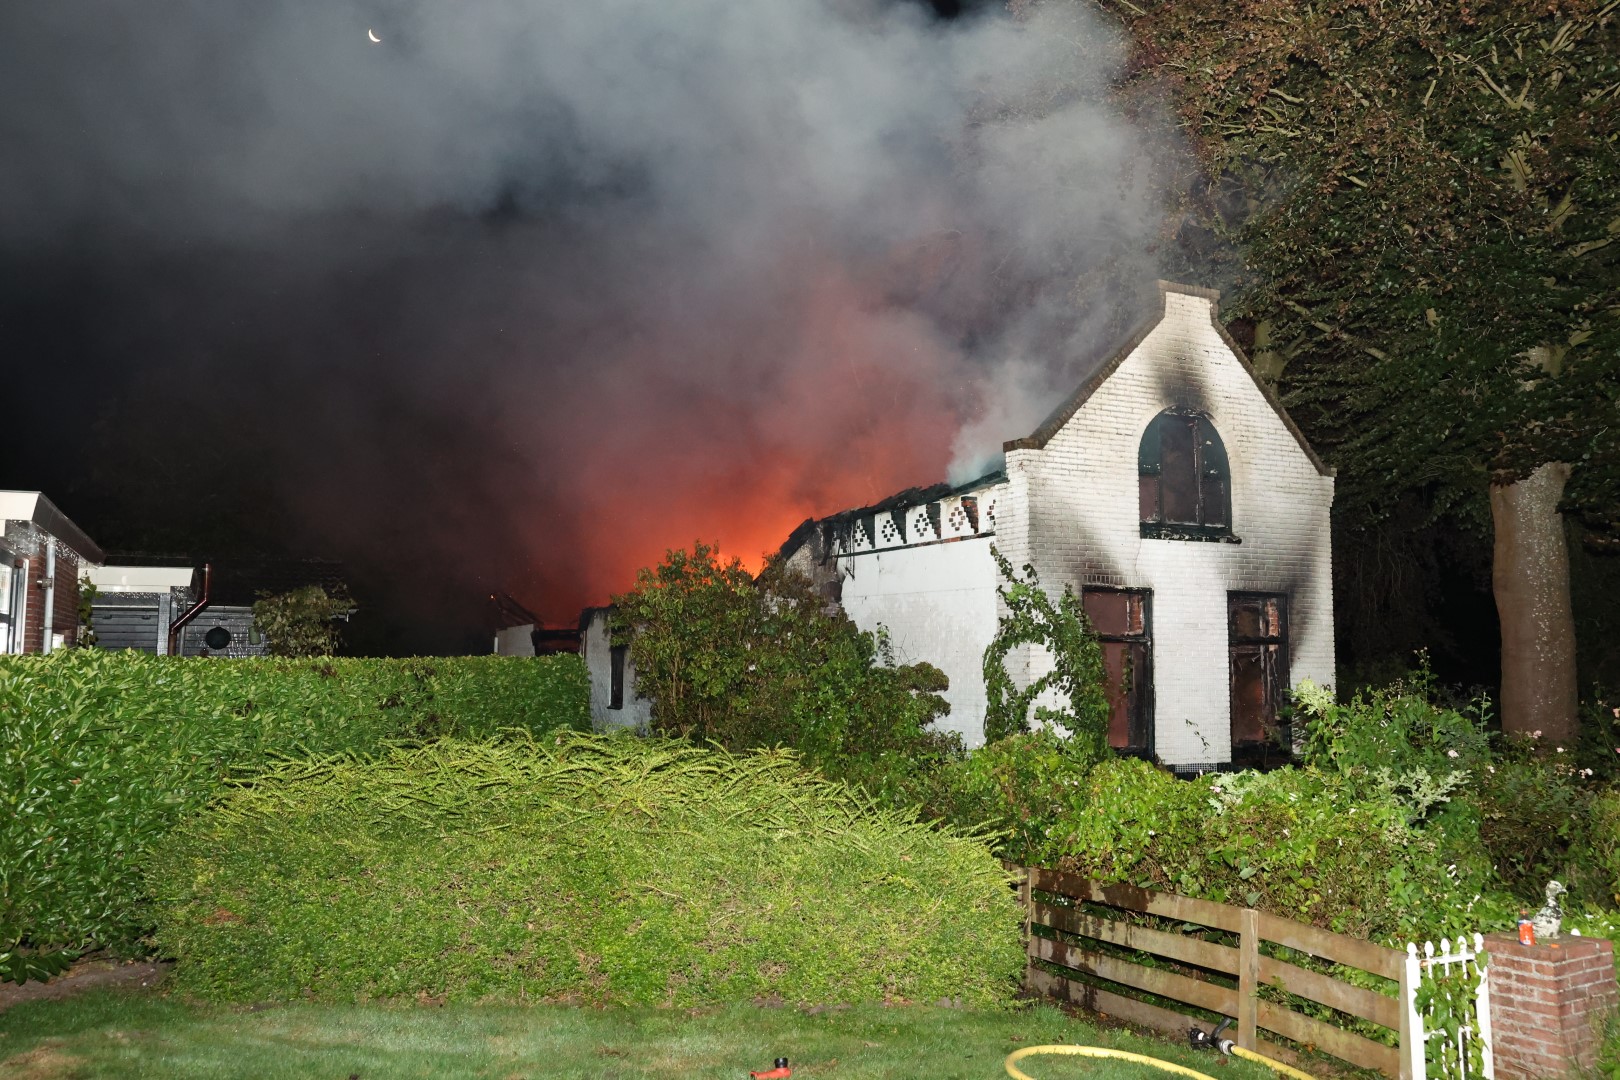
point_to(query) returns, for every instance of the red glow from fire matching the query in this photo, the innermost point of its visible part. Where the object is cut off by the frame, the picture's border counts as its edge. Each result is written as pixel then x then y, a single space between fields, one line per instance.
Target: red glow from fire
pixel 857 402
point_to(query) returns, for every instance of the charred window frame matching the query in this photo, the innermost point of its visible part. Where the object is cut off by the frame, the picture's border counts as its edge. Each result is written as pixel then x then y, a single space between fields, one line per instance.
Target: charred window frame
pixel 1122 619
pixel 616 661
pixel 1184 480
pixel 1257 637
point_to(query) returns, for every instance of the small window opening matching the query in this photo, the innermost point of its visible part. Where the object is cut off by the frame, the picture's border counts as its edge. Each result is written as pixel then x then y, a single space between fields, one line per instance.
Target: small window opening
pixel 1184 486
pixel 616 678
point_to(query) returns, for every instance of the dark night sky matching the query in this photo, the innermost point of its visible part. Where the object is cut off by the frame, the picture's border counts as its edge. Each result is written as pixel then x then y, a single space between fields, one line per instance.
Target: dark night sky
pixel 531 291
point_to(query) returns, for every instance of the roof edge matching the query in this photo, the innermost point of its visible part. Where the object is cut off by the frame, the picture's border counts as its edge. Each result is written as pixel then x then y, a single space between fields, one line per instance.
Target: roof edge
pixel 48 516
pixel 1054 422
pixel 906 499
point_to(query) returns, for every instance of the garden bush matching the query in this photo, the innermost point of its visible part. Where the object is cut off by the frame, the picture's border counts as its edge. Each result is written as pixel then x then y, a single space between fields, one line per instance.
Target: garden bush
pixel 1301 844
pixel 100 753
pixel 724 656
pixel 585 869
pixel 1604 847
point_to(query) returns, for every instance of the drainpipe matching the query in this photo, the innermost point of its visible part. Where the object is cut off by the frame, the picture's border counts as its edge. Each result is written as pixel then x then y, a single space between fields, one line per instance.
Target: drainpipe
pixel 19 618
pixel 191 612
pixel 47 618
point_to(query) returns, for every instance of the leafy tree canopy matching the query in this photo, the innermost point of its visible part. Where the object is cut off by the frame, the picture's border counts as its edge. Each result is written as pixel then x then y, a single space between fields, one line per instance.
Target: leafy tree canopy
pixel 1426 199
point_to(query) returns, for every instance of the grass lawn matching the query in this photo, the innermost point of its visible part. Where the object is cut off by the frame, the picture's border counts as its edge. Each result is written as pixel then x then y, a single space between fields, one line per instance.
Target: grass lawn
pixel 120 1033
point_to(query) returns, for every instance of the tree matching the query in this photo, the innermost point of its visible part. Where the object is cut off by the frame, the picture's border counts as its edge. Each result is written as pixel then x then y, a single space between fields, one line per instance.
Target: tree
pixel 749 662
pixel 1076 676
pixel 1426 199
pixel 302 622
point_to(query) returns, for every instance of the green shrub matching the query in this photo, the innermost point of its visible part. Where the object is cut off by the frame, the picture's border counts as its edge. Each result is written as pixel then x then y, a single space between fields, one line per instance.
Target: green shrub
pixel 1598 748
pixel 101 752
pixel 1014 788
pixel 746 662
pixel 1604 847
pixel 579 869
pixel 1396 739
pixel 1304 845
pixel 303 622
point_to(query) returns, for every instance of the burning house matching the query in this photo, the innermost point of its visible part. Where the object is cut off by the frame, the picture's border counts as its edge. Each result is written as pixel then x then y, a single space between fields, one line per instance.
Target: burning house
pixel 1174 494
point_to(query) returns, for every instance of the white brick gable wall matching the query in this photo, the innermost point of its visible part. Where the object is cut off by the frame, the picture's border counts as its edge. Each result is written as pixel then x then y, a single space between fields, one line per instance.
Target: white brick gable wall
pixel 1072 513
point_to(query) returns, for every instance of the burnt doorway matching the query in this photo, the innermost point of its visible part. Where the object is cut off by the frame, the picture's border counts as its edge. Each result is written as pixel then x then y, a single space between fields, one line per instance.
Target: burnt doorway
pixel 1257 638
pixel 1123 621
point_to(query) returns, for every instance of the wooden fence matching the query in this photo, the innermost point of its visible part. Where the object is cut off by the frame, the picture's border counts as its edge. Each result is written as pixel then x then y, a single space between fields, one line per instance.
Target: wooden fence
pixel 1052 902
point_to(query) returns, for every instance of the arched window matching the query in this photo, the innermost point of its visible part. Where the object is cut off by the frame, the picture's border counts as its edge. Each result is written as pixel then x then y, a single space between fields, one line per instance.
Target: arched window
pixel 1185 484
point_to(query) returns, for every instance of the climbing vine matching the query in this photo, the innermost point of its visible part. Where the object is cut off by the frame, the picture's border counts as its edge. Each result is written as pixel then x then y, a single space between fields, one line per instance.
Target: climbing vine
pixel 1076 675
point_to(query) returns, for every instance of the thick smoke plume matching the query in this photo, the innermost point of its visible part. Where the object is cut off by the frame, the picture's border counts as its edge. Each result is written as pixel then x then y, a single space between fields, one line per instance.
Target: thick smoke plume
pixel 532 290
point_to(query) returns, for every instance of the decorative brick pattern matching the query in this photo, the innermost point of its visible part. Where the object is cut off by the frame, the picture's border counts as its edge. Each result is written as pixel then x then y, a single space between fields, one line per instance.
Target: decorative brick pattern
pixel 1549 1002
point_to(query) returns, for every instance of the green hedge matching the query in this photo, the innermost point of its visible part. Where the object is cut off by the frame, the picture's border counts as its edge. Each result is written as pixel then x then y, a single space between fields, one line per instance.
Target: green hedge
pixel 100 753
pixel 582 869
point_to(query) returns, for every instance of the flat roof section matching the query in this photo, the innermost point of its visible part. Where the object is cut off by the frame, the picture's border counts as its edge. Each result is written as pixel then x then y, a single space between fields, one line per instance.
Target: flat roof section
pixel 34 507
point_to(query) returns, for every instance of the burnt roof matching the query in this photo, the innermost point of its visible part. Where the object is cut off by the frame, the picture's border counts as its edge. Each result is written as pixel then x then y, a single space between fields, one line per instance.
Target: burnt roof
pixel 913 496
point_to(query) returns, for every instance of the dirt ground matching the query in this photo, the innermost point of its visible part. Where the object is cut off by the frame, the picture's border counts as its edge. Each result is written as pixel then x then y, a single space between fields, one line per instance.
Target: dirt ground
pixel 84 975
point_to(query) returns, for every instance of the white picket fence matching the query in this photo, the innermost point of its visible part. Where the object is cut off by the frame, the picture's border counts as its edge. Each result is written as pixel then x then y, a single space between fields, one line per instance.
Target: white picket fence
pixel 1473 961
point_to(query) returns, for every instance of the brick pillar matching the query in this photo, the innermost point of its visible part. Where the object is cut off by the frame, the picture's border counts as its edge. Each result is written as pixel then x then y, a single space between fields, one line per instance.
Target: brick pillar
pixel 1549 1002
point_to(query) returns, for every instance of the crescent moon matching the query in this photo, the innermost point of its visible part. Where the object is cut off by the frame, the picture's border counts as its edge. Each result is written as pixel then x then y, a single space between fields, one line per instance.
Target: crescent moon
pixel 375 40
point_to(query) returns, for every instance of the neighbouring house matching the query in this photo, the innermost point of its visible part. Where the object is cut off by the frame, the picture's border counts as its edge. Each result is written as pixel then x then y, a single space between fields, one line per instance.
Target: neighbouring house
pixel 164 605
pixel 42 557
pixel 135 605
pixel 1174 494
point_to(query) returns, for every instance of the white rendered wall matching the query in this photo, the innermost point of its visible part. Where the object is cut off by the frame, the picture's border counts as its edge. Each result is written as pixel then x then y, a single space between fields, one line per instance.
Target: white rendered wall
pixel 596 649
pixel 515 641
pixel 938 603
pixel 1071 510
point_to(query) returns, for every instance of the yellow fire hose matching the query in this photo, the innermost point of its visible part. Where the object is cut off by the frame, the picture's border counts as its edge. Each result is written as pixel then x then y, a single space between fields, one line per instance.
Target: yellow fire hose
pixel 1095 1051
pixel 1142 1059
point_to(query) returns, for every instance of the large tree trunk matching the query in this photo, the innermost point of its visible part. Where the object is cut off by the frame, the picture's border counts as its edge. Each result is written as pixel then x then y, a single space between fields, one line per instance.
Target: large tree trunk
pixel 1530 576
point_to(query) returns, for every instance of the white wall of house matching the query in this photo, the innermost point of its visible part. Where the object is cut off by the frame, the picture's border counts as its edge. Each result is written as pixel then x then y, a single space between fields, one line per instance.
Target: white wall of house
pixel 937 602
pixel 596 649
pixel 1072 512
pixel 515 641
